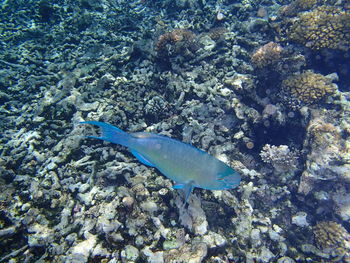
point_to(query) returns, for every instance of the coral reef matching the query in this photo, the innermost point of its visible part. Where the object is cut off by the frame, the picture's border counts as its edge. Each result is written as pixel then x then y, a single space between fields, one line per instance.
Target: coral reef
pixel 69 199
pixel 323 27
pixel 267 55
pixel 309 87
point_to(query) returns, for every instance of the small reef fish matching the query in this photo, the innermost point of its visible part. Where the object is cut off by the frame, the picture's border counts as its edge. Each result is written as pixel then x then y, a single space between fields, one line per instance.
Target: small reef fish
pixel 188 166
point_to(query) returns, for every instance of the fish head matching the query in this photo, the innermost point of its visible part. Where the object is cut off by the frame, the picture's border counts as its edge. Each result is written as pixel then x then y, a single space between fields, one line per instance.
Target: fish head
pixel 228 179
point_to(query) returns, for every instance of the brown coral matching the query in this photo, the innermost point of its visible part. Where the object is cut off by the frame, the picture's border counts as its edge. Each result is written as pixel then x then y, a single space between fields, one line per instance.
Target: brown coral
pixel 297 6
pixel 331 235
pixel 323 27
pixel 217 33
pixel 309 87
pixel 174 37
pixel 267 55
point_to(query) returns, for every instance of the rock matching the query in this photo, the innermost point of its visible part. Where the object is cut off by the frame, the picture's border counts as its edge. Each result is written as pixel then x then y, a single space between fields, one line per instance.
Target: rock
pixel 149 206
pixel 153 257
pixel 82 250
pixel 300 219
pixel 266 255
pixel 129 254
pixel 214 240
pixel 128 201
pixel 285 260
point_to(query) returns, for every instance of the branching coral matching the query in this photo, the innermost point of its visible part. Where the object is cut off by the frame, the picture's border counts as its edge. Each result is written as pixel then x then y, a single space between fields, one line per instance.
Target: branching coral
pixel 217 33
pixel 280 157
pixel 297 6
pixel 267 55
pixel 331 235
pixel 304 4
pixel 323 27
pixel 155 107
pixel 309 87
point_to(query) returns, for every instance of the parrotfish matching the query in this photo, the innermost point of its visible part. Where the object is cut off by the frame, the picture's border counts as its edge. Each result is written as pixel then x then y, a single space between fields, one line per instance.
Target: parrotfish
pixel 188 166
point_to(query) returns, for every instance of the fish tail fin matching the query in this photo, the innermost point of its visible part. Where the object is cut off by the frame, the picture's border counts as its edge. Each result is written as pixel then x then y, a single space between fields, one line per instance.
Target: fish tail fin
pixel 110 133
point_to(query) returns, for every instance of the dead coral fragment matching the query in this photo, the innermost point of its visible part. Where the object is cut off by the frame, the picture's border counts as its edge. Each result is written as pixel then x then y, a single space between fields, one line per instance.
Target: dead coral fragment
pixel 331 235
pixel 309 87
pixel 267 55
pixel 323 27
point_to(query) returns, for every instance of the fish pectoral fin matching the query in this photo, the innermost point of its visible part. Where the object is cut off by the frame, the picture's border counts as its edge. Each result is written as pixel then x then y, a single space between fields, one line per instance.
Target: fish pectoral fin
pixel 188 190
pixel 178 186
pixel 141 158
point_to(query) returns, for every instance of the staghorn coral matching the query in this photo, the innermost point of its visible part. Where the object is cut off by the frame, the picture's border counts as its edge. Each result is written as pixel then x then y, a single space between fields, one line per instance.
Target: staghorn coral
pixel 267 55
pixel 323 27
pixel 280 157
pixel 309 87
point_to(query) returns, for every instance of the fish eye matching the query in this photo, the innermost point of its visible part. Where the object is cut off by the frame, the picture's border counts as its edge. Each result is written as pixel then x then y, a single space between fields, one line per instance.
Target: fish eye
pixel 221 177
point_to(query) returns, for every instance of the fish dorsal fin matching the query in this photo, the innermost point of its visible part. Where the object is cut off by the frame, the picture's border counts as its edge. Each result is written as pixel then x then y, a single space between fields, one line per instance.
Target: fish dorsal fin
pixel 141 158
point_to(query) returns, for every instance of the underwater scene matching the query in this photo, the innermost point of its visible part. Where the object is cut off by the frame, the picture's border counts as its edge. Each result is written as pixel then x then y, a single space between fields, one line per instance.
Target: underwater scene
pixel 174 131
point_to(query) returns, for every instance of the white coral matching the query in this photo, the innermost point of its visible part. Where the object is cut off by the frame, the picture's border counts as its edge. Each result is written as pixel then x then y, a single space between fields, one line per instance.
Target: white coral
pixel 280 157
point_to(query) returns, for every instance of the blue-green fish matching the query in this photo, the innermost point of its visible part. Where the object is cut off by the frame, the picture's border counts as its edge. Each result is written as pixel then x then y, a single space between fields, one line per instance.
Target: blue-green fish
pixel 188 166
